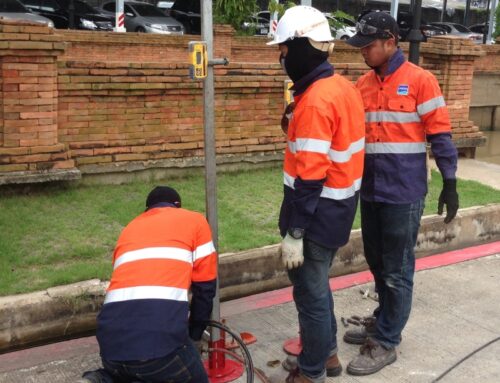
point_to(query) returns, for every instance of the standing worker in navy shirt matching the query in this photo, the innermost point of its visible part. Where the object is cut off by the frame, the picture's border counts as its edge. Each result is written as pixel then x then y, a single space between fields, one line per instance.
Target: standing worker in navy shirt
pixel 146 326
pixel 322 175
pixel 404 109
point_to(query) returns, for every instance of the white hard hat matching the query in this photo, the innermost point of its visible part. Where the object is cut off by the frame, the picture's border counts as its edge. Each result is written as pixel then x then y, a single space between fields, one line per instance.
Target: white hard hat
pixel 302 21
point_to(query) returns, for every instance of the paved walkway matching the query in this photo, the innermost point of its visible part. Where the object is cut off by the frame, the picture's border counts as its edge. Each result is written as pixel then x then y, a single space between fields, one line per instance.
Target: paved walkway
pixel 456 310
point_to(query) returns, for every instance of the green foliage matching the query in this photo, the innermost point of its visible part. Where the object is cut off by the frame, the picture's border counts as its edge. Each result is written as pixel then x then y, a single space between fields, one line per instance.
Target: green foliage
pixel 336 22
pixel 234 12
pixel 274 6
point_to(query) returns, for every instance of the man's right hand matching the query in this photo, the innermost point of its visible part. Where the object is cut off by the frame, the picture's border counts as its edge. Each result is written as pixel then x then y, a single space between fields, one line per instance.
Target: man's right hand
pixel 292 252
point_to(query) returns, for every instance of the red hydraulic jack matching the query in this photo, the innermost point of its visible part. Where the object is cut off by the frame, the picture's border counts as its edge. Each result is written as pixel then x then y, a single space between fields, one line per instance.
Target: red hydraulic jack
pixel 292 348
pixel 218 367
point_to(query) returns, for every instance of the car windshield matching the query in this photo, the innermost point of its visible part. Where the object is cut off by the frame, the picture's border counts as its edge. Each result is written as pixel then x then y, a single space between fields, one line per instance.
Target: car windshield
pixel 80 6
pixel 148 10
pixel 12 6
pixel 461 28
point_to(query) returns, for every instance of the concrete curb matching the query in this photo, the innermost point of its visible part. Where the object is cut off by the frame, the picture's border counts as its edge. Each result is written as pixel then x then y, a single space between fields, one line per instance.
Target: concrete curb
pixel 70 311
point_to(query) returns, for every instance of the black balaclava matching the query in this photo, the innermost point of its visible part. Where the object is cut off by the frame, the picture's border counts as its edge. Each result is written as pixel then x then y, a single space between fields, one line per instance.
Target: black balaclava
pixel 163 194
pixel 302 58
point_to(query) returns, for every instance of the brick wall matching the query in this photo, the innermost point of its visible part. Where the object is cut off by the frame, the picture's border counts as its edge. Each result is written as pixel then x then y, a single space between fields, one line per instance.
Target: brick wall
pixel 490 62
pixel 99 101
pixel 456 58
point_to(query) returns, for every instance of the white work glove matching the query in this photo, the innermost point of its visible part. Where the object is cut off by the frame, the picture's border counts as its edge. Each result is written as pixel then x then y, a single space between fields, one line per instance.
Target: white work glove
pixel 292 252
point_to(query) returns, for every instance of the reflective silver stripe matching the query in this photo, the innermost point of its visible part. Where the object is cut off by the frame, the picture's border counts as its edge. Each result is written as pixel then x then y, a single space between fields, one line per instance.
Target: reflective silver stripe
pixel 341 193
pixel 327 192
pixel 174 253
pixel 401 117
pixel 288 180
pixel 345 155
pixel 309 145
pixel 203 251
pixel 395 147
pixel 146 292
pixel 429 106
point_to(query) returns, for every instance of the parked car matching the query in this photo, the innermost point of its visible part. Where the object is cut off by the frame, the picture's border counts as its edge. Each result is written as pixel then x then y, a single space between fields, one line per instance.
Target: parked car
pixel 84 17
pixel 459 30
pixel 164 5
pixel 348 30
pixel 479 28
pixel 146 18
pixel 482 29
pixel 259 25
pixel 187 12
pixel 405 22
pixel 13 9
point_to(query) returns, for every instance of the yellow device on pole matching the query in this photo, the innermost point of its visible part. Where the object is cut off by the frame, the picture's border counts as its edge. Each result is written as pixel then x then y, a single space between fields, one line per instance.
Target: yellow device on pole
pixel 288 95
pixel 198 60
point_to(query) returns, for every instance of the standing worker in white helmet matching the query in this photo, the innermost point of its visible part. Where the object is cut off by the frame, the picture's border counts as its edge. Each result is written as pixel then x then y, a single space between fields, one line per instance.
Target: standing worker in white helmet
pixel 322 175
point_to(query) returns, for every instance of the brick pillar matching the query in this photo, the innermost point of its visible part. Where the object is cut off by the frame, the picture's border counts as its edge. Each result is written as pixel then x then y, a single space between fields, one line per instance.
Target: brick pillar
pixel 28 99
pixel 453 59
pixel 223 41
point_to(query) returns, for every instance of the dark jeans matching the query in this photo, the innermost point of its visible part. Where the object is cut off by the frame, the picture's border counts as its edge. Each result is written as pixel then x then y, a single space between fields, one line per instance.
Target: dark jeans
pixel 389 237
pixel 182 366
pixel 314 301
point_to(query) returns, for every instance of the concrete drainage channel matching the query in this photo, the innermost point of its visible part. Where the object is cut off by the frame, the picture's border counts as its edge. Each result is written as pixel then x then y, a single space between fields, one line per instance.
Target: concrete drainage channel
pixel 69 311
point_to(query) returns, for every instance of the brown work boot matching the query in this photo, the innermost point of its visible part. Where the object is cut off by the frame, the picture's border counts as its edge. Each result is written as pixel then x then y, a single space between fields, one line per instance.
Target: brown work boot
pixel 333 366
pixel 372 358
pixel 296 376
pixel 360 335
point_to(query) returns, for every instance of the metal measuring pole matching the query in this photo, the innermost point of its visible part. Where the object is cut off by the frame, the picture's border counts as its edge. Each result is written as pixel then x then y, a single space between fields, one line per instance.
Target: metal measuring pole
pixel 209 132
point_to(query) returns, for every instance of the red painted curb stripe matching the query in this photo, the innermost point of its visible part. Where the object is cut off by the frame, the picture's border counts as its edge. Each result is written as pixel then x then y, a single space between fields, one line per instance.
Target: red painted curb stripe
pixel 284 295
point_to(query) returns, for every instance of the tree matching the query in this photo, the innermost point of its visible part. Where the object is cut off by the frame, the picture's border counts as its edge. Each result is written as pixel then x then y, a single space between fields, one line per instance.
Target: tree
pixel 234 12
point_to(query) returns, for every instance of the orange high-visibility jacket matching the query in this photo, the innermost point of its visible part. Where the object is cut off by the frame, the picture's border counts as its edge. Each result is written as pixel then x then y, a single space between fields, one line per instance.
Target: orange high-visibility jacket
pixel 402 113
pixel 159 256
pixel 324 161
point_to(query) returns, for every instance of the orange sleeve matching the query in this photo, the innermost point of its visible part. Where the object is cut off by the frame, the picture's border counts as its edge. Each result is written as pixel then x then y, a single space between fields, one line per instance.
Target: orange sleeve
pixel 204 254
pixel 431 106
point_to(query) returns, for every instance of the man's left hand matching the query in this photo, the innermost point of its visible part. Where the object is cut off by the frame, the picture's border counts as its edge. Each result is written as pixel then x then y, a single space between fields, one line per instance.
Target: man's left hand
pixel 448 197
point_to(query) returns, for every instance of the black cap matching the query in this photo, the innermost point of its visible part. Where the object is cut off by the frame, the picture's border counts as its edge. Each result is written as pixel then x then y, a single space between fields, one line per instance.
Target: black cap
pixel 380 20
pixel 163 194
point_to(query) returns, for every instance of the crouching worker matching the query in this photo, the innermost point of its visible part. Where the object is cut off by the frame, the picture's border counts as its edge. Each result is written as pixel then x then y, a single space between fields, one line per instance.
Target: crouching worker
pixel 146 329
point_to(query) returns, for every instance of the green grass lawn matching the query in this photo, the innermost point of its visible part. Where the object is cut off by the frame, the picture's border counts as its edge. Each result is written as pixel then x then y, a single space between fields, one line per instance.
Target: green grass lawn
pixel 58 235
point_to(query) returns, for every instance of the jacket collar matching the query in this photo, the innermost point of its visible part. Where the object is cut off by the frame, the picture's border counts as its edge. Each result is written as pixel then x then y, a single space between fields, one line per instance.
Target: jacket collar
pixel 160 204
pixel 323 70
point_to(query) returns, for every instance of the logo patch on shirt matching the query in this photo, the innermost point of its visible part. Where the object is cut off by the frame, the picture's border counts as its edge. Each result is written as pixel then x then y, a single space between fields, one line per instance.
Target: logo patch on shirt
pixel 403 90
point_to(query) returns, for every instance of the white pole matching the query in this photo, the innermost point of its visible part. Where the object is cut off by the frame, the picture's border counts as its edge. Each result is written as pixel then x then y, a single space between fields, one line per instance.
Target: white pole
pixel 492 21
pixel 273 22
pixel 394 9
pixel 120 16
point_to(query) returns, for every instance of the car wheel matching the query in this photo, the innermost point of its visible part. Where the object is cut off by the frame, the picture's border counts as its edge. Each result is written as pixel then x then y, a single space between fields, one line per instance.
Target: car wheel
pixel 345 37
pixel 140 30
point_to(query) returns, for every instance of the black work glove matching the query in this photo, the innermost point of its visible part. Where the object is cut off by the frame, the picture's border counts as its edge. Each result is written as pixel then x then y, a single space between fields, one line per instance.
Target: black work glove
pixel 448 197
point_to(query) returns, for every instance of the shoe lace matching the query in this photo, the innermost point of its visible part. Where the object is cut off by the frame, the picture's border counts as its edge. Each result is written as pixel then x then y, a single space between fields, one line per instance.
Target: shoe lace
pixel 368 348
